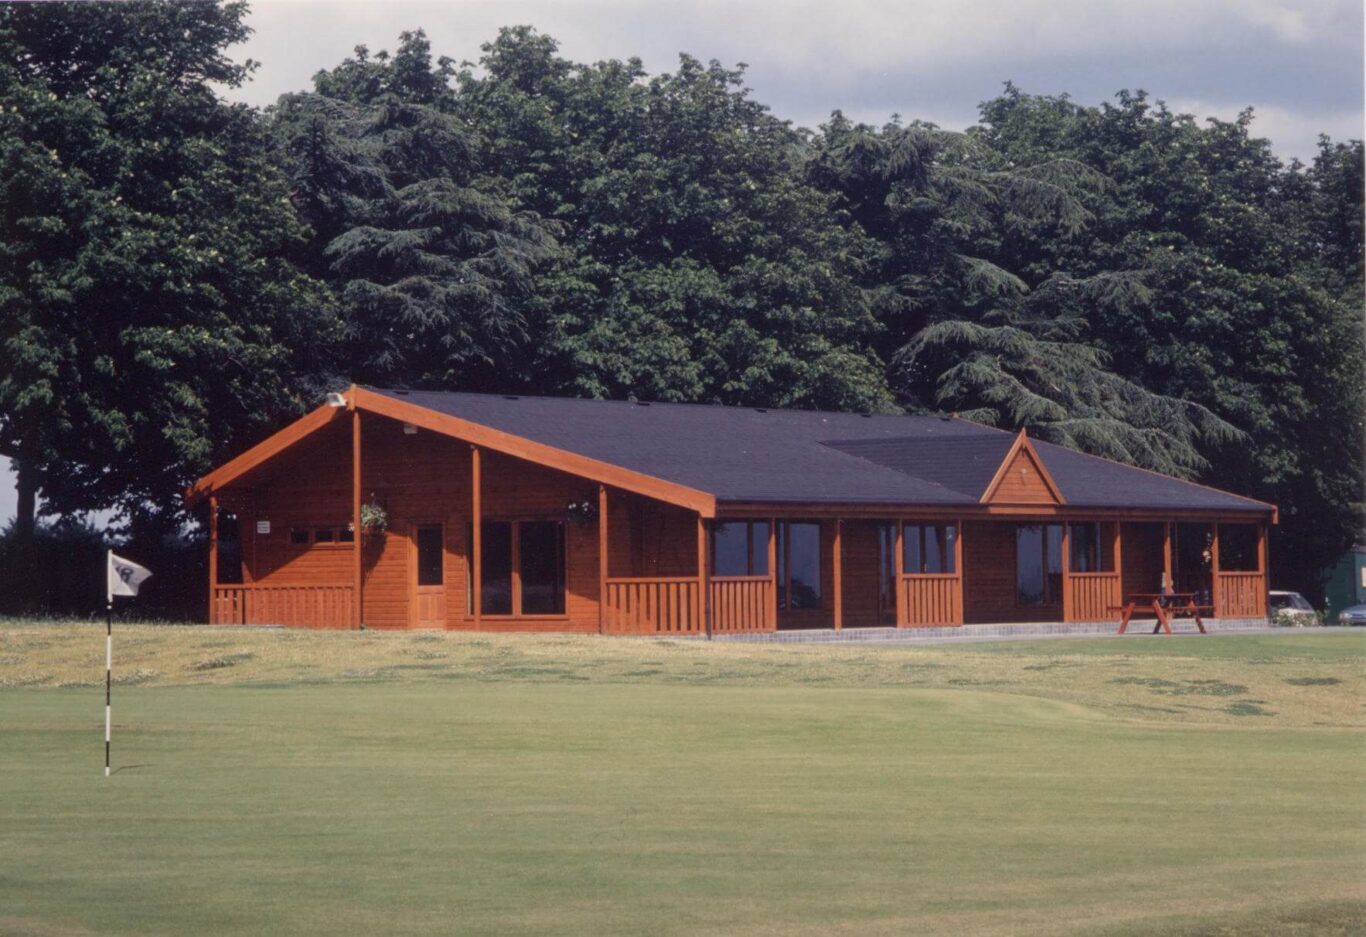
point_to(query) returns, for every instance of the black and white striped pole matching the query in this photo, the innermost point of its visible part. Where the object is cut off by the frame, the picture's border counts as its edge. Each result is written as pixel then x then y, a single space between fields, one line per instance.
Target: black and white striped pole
pixel 121 578
pixel 108 674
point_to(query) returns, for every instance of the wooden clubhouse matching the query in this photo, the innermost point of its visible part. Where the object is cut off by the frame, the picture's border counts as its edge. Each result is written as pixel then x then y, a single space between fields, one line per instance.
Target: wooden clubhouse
pixel 415 509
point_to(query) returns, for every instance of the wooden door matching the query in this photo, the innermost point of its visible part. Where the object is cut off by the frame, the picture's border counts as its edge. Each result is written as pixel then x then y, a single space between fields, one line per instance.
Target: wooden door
pixel 429 580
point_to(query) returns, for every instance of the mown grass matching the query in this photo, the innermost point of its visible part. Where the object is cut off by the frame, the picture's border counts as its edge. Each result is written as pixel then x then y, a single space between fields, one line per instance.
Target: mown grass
pixel 312 783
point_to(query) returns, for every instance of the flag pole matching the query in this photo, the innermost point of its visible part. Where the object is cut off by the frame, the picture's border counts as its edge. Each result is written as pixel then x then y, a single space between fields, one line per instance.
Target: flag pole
pixel 108 657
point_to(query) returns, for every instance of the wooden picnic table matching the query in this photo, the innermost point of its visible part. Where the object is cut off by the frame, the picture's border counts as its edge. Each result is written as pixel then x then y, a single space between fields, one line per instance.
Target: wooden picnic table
pixel 1165 606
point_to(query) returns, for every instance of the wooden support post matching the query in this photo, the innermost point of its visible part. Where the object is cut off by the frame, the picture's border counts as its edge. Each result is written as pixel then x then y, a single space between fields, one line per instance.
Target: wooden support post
pixel 213 559
pixel 1066 571
pixel 899 592
pixel 1214 567
pixel 602 559
pixel 1118 560
pixel 1167 584
pixel 703 600
pixel 1263 566
pixel 773 573
pixel 960 610
pixel 476 537
pixel 356 617
pixel 838 583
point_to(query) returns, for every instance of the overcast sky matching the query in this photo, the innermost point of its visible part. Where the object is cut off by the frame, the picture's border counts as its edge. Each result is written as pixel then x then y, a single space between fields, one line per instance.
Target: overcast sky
pixel 1300 65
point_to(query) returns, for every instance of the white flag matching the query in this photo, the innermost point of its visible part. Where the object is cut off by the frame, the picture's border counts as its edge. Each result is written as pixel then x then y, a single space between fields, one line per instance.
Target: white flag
pixel 125 576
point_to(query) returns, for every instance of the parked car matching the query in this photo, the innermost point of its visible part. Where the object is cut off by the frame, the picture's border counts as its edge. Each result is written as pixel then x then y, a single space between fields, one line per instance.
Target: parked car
pixel 1353 615
pixel 1291 608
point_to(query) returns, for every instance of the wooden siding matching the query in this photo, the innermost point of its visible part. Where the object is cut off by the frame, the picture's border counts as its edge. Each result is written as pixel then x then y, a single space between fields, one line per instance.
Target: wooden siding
pixel 1095 596
pixel 1241 595
pixel 931 599
pixel 1023 482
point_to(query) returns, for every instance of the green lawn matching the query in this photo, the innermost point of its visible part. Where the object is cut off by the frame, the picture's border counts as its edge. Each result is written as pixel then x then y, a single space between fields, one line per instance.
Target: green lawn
pixel 676 788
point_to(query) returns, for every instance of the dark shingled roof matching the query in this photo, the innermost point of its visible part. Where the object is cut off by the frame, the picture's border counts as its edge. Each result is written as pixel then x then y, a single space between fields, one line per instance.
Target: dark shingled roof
pixel 753 454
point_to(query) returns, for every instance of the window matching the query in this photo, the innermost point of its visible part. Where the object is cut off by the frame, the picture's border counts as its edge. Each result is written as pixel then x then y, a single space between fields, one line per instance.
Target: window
pixel 298 535
pixel 229 548
pixel 886 567
pixel 1088 554
pixel 799 565
pixel 928 548
pixel 541 552
pixel 522 566
pixel 1038 564
pixel 430 556
pixel 1238 548
pixel 495 568
pixel 346 534
pixel 324 535
pixel 739 548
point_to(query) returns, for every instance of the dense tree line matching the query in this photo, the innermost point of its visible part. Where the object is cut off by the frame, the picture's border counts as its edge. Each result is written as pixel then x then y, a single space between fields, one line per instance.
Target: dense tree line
pixel 179 275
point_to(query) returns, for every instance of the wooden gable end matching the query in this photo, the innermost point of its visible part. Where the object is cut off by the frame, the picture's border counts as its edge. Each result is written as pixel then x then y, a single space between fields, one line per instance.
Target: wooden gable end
pixel 1022 478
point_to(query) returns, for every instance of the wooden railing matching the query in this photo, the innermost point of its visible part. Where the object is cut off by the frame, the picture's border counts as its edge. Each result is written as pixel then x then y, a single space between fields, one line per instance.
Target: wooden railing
pixel 295 605
pixel 1095 596
pixel 1241 595
pixel 741 603
pixel 930 599
pixel 657 605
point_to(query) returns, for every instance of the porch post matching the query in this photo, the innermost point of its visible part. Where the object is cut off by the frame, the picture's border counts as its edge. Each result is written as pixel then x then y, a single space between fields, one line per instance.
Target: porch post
pixel 1167 584
pixel 1214 567
pixel 898 592
pixel 356 537
pixel 703 579
pixel 602 559
pixel 1119 562
pixel 773 573
pixel 1262 565
pixel 1066 571
pixel 839 576
pixel 213 559
pixel 961 612
pixel 476 537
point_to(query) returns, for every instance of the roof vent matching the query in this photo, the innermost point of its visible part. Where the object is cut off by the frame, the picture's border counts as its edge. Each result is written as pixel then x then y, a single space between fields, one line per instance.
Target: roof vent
pixel 760 410
pixel 946 417
pixel 642 403
pixel 401 393
pixel 511 397
pixel 866 416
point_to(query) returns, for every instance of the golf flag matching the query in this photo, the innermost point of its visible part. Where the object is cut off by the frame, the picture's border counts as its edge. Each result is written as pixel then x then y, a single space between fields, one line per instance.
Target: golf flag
pixel 125 576
pixel 121 578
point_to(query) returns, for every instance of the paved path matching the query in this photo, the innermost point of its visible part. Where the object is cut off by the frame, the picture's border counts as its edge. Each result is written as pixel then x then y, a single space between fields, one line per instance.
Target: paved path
pixel 974 634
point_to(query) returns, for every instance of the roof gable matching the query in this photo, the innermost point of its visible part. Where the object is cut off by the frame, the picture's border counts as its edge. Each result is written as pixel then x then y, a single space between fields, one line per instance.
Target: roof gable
pixel 1022 478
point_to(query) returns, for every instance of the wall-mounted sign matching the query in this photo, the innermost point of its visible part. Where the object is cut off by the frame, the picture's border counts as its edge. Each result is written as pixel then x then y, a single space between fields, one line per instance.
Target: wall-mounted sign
pixel 263 527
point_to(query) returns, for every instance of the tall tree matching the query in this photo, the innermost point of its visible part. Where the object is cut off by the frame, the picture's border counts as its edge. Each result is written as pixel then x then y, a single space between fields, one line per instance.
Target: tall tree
pixel 151 319
pixel 696 262
pixel 970 325
pixel 432 263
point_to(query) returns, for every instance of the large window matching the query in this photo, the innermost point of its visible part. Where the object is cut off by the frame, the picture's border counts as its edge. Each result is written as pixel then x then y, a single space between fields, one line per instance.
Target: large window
pixel 799 565
pixel 541 561
pixel 522 566
pixel 1088 549
pixel 928 548
pixel 1238 548
pixel 1038 564
pixel 739 548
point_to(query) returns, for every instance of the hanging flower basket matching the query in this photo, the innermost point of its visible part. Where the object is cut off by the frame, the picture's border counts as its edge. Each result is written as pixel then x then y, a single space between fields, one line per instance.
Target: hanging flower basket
pixel 581 513
pixel 374 520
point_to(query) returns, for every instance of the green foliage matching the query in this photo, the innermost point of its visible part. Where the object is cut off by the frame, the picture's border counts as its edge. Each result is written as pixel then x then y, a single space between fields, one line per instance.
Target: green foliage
pixel 151 319
pixel 430 264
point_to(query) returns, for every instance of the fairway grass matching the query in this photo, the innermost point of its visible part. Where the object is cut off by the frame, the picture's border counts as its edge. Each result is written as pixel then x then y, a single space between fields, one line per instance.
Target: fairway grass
pixel 315 783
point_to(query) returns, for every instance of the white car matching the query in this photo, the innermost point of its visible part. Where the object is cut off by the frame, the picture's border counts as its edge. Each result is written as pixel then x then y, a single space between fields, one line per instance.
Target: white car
pixel 1293 606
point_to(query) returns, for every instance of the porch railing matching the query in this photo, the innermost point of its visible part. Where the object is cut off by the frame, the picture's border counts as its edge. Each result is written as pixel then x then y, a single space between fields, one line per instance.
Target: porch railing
pixel 306 605
pixel 655 605
pixel 1241 595
pixel 930 599
pixel 741 603
pixel 1095 596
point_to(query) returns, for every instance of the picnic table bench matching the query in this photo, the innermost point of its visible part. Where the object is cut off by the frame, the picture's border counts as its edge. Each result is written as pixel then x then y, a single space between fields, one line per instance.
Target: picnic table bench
pixel 1165 606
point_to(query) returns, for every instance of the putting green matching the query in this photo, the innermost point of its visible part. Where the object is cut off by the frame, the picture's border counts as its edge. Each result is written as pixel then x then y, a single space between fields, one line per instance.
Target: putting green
pixel 460 803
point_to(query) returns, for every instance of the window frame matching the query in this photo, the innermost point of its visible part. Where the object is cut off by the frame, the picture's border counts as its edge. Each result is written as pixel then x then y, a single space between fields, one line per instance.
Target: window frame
pixel 783 577
pixel 516 570
pixel 756 551
pixel 1049 596
pixel 946 544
